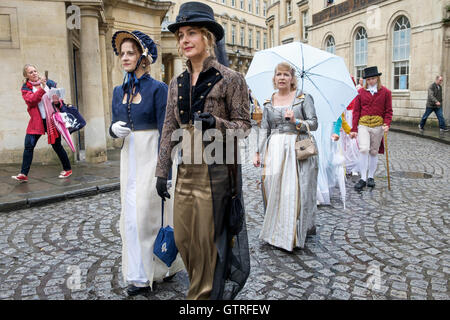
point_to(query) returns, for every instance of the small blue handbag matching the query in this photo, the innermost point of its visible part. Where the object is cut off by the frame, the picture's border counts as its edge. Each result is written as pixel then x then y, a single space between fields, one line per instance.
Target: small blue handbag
pixel 165 248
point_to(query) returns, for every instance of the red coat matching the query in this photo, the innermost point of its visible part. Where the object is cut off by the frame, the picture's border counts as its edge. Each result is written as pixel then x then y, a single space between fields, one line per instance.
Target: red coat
pixel 35 125
pixel 32 99
pixel 380 104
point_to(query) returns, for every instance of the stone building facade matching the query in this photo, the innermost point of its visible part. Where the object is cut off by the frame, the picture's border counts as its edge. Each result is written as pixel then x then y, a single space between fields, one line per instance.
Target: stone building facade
pixel 408 40
pixel 72 40
pixel 245 33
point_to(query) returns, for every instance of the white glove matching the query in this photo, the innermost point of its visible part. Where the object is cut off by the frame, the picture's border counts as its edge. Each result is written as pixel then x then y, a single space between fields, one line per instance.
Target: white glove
pixel 119 130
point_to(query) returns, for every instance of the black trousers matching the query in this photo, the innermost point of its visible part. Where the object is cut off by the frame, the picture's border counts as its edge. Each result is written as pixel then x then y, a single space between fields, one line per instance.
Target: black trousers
pixel 31 141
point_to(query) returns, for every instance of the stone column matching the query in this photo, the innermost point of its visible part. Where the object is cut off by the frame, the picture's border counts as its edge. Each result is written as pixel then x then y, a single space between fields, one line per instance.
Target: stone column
pixel 106 102
pixel 91 74
pixel 177 66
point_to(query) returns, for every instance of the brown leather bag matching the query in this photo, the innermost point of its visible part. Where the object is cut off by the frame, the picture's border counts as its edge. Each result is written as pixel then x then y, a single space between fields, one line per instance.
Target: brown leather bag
pixel 305 148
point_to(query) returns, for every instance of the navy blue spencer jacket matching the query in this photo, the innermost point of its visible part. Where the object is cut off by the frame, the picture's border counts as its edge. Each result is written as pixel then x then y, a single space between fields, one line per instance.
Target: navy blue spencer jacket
pixel 147 114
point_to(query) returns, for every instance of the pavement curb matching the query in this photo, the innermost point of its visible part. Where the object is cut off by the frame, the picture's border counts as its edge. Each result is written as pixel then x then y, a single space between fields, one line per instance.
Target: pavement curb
pixel 7 207
pixel 420 135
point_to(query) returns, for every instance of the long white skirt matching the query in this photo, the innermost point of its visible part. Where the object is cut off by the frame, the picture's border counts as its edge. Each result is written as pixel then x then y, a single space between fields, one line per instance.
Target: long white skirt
pixel 288 216
pixel 140 218
pixel 350 147
pixel 331 173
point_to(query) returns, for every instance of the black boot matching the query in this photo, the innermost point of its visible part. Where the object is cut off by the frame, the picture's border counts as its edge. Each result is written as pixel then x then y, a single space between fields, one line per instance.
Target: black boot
pixel 312 231
pixel 371 183
pixel 168 278
pixel 360 185
pixel 134 291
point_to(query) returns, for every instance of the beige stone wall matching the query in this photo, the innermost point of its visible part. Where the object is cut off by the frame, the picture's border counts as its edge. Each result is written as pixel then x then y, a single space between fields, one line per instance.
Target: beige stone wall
pixel 285 31
pixel 35 34
pixel 230 16
pixel 127 17
pixel 427 55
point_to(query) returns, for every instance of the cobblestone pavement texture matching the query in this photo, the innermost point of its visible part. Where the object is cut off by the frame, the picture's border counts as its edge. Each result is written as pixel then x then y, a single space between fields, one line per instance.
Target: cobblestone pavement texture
pixel 384 245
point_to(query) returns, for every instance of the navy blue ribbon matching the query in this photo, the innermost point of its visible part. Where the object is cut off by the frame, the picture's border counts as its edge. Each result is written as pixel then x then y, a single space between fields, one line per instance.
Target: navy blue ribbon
pixel 131 81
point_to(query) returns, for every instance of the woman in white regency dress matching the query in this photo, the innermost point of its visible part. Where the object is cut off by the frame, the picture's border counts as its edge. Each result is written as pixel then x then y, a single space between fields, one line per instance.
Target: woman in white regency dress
pixel 138 111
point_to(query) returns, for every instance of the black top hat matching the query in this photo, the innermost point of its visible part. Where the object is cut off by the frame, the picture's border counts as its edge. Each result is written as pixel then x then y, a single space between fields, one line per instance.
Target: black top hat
pixel 197 14
pixel 147 45
pixel 371 72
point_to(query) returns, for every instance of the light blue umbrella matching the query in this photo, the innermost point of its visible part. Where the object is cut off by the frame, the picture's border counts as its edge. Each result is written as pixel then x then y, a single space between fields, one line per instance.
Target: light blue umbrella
pixel 321 74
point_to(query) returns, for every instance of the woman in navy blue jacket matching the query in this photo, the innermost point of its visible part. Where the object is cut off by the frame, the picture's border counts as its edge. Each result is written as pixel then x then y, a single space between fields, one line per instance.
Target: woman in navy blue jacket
pixel 138 111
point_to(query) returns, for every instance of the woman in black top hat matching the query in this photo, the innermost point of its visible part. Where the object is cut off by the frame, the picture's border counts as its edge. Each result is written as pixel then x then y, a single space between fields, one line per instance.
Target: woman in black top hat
pixel 207 95
pixel 138 110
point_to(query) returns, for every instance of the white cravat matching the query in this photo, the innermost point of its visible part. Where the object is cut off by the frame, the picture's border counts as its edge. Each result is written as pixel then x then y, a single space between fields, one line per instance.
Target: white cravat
pixel 373 89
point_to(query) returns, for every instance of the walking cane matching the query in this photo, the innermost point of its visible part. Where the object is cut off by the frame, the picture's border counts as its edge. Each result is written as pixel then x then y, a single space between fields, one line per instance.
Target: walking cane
pixel 387 160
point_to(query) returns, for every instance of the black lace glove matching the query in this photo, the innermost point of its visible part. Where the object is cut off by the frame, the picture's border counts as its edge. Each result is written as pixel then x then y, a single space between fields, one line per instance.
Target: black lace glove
pixel 207 119
pixel 161 188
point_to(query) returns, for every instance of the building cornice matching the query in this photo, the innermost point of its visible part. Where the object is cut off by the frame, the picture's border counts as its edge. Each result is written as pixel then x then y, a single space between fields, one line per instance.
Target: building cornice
pixel 269 19
pixel 313 27
pixel 302 3
pixel 145 4
pixel 342 9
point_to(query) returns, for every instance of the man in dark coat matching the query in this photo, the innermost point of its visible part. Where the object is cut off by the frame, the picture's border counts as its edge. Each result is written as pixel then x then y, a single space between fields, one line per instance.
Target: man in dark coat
pixel 434 104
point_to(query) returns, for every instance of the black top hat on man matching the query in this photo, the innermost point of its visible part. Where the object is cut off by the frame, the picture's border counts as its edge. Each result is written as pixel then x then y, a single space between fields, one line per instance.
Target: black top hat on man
pixel 371 72
pixel 197 14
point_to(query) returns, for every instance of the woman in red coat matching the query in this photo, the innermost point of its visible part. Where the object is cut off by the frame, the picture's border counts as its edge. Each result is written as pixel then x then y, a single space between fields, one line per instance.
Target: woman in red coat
pixel 372 116
pixel 32 91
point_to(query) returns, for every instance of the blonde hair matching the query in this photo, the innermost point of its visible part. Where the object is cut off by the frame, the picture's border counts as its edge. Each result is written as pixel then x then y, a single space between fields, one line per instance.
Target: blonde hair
pixel 286 66
pixel 24 71
pixel 208 37
pixel 145 61
pixel 379 84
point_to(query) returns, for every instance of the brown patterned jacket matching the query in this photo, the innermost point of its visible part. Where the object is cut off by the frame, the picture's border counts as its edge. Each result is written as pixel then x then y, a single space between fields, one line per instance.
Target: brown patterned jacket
pixel 219 91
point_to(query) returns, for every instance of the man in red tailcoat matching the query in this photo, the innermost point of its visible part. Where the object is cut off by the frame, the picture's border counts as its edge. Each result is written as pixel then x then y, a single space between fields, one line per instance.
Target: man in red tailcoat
pixel 372 116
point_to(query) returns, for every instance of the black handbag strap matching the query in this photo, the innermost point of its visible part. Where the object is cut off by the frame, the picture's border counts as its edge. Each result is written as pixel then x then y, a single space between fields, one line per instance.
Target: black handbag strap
pixel 162 213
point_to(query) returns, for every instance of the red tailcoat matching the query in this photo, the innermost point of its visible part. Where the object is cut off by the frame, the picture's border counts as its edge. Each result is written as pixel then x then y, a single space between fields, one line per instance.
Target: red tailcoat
pixel 380 104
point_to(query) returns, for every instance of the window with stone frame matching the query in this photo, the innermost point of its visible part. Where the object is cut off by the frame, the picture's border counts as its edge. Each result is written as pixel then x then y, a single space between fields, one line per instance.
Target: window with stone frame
pixel 257 5
pixel 258 40
pixel 242 36
pixel 233 34
pixel 265 40
pixel 225 31
pixel 265 8
pixel 305 22
pixel 250 38
pixel 401 53
pixel 288 11
pixel 330 45
pixel 272 37
pixel 361 44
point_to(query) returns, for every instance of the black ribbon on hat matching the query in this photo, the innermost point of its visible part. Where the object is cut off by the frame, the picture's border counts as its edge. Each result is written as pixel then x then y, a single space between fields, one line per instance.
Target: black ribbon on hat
pixel 197 14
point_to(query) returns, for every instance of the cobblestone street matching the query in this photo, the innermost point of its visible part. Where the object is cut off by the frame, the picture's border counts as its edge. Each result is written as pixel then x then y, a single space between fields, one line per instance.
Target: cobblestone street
pixel 384 245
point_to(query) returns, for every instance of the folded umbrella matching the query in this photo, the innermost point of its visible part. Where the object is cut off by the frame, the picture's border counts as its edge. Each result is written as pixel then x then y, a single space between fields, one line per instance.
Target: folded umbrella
pixel 61 127
pixel 58 122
